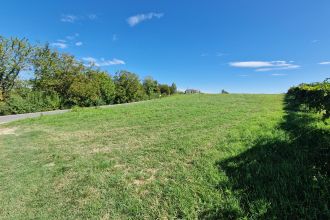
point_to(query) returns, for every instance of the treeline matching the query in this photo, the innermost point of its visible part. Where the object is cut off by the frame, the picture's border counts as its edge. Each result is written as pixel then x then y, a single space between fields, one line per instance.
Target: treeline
pixel 60 81
pixel 311 97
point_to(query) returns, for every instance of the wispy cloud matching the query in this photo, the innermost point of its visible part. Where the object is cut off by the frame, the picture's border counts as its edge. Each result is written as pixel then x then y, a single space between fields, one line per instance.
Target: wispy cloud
pixel 92 17
pixel 325 63
pixel 114 37
pixel 102 62
pixel 315 41
pixel 69 18
pixel 59 45
pixel 72 37
pixel 263 66
pixel 136 19
pixel 278 74
pixel 69 40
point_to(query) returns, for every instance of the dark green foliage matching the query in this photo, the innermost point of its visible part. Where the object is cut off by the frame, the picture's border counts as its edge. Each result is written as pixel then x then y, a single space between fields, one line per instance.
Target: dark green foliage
pixel 312 97
pixel 165 89
pixel 173 88
pixel 105 85
pixel 128 88
pixel 91 89
pixel 23 99
pixel 83 92
pixel 224 92
pixel 151 88
pixel 34 101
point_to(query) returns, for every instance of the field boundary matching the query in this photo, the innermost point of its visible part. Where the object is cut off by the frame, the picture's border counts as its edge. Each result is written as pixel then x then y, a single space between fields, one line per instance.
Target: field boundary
pixel 9 118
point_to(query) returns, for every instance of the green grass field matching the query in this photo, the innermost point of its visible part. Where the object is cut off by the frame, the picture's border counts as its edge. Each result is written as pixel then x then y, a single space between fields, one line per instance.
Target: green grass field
pixel 188 157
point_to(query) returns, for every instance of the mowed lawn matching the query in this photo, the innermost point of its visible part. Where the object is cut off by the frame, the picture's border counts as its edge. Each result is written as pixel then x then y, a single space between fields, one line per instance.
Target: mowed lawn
pixel 186 157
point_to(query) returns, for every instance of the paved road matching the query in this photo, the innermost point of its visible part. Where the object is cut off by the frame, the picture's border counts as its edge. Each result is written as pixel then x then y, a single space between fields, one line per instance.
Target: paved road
pixel 9 118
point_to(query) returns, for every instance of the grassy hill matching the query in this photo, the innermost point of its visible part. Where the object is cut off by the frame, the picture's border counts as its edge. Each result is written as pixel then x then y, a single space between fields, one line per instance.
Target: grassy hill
pixel 188 156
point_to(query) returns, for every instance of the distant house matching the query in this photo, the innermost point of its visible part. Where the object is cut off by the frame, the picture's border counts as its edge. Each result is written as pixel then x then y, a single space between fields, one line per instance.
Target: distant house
pixel 192 91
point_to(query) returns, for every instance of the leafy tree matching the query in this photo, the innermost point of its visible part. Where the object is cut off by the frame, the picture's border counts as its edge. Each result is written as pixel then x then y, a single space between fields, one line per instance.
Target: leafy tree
pixel 164 89
pixel 46 68
pixel 173 88
pixel 83 92
pixel 128 87
pixel 55 72
pixel 14 57
pixel 105 85
pixel 224 92
pixel 151 87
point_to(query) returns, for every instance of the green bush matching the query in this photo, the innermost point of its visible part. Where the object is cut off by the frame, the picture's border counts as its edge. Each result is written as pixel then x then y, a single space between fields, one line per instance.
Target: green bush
pixel 105 85
pixel 128 88
pixel 34 101
pixel 83 92
pixel 165 89
pixel 311 97
pixel 151 88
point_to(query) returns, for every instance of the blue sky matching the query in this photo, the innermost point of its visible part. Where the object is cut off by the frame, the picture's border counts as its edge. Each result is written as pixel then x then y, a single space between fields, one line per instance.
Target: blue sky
pixel 243 46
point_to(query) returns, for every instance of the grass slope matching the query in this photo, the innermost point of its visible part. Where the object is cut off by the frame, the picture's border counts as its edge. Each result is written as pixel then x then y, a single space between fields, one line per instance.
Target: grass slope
pixel 197 156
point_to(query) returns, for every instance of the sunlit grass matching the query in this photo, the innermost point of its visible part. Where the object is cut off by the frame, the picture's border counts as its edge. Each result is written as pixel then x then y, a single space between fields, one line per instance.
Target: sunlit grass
pixel 193 156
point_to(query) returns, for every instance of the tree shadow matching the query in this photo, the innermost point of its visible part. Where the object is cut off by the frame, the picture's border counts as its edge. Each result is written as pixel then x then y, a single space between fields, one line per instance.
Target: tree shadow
pixel 283 177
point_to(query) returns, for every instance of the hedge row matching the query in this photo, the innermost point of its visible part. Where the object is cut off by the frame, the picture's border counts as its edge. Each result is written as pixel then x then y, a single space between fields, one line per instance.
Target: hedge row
pixel 312 97
pixel 59 80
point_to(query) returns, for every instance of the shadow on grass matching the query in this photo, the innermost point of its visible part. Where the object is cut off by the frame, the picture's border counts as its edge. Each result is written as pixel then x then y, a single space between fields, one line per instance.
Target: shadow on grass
pixel 286 177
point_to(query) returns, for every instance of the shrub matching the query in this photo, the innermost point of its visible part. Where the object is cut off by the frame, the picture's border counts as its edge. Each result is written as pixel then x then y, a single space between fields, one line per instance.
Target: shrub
pixel 83 92
pixel 173 88
pixel 164 89
pixel 128 88
pixel 151 88
pixel 311 97
pixel 34 101
pixel 105 85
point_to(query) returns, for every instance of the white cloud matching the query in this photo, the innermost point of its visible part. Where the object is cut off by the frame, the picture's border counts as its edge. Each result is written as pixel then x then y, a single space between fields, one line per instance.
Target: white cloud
pixel 60 45
pixel 102 61
pixel 263 66
pixel 136 19
pixel 89 59
pixel 251 64
pixel 315 41
pixel 78 44
pixel 69 18
pixel 325 63
pixel 278 74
